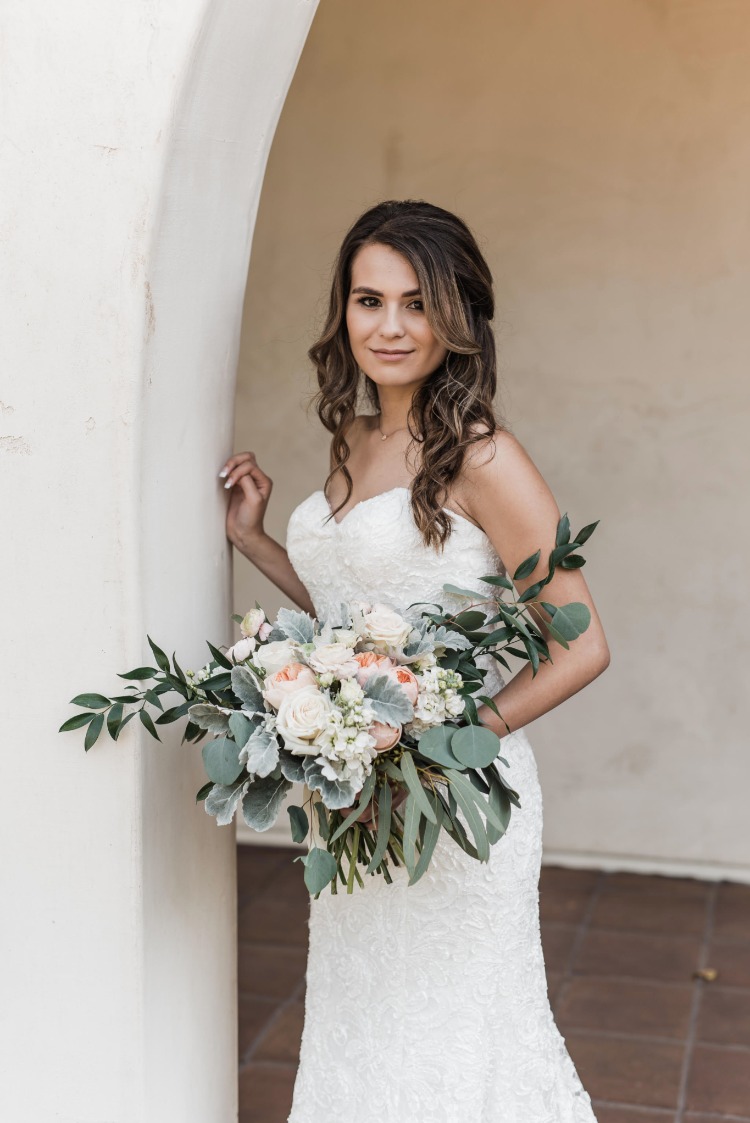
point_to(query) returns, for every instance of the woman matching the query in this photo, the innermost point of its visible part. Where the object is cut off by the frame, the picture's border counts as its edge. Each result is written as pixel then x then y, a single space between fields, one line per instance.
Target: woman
pixel 426 1004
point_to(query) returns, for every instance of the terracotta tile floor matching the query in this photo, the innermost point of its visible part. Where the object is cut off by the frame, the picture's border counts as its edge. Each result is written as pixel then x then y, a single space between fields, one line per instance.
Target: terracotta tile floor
pixel 652 1043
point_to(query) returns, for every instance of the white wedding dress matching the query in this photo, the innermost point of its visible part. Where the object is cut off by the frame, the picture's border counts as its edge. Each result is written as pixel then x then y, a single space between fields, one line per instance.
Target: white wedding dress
pixel 428 1003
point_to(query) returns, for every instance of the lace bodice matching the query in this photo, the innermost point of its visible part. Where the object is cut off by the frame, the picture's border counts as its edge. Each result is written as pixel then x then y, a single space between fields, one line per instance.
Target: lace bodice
pixel 376 553
pixel 427 1003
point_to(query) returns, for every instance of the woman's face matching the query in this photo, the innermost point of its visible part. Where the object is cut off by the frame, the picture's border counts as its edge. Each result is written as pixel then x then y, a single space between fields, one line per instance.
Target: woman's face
pixel 389 335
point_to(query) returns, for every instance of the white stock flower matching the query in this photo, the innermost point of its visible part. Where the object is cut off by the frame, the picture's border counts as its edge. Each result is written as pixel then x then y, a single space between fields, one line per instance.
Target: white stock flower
pixel 302 717
pixel 351 691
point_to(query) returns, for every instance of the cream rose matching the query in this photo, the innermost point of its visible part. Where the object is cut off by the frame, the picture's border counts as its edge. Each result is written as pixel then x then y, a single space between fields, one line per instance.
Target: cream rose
pixel 286 681
pixel 302 717
pixel 335 658
pixel 273 656
pixel 386 627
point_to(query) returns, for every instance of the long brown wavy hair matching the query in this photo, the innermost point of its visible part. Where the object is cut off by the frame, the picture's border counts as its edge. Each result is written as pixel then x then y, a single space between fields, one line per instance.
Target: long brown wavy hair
pixel 456 288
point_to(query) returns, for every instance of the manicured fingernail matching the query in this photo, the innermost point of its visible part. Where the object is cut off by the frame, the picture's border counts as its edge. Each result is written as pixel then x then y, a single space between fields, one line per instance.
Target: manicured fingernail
pixel 228 484
pixel 223 473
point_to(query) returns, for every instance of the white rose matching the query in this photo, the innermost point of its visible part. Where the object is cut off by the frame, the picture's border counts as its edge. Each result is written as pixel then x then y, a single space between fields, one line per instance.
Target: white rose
pixel 302 717
pixel 333 657
pixel 252 621
pixel 242 650
pixel 386 627
pixel 273 656
pixel 346 635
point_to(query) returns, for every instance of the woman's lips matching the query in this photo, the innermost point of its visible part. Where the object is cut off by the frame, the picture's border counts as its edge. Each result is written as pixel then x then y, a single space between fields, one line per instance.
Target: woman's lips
pixel 391 356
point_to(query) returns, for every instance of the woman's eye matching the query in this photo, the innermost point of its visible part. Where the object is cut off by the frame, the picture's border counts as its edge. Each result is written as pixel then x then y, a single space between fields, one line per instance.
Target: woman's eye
pixel 363 300
pixel 418 305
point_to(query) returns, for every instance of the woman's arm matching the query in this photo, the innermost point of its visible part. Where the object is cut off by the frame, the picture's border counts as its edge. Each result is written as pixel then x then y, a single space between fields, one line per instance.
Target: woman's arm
pixel 248 499
pixel 507 495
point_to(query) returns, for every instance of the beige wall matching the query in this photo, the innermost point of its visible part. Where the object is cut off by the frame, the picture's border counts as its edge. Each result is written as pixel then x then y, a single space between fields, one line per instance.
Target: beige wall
pixel 600 151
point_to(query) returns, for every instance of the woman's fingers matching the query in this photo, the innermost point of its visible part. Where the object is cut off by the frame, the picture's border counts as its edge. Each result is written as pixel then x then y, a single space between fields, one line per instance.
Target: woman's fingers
pixel 249 468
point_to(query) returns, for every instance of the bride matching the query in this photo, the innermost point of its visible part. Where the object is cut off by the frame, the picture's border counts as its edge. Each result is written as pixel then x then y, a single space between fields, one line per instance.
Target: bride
pixel 426 1003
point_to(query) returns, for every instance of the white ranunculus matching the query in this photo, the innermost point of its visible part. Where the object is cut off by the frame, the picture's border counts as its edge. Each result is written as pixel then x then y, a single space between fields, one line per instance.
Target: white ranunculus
pixel 333 657
pixel 242 650
pixel 275 655
pixel 387 627
pixel 301 718
pixel 252 621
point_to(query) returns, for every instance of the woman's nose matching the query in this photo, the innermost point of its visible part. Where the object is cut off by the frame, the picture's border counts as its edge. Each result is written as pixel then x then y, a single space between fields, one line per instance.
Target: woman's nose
pixel 392 321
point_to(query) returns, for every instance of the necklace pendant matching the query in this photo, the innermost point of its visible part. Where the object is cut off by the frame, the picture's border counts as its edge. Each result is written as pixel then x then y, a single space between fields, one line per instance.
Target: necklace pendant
pixel 384 436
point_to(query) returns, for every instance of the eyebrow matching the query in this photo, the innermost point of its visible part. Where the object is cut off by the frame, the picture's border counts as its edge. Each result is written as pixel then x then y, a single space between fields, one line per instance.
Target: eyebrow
pixel 374 292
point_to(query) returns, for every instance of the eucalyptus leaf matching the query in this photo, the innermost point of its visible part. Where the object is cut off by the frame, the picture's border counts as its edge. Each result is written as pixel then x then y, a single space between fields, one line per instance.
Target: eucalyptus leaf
pixel 320 869
pixel 261 803
pixel 435 744
pixel 385 808
pixel 364 799
pixel 221 759
pixel 324 828
pixel 473 818
pixel 569 620
pixel 475 745
pixel 241 727
pixel 414 784
pixel 412 815
pixel 299 823
pixel 430 837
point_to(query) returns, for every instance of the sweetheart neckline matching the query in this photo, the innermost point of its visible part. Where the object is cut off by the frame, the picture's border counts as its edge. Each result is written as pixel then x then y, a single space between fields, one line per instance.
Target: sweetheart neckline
pixel 390 491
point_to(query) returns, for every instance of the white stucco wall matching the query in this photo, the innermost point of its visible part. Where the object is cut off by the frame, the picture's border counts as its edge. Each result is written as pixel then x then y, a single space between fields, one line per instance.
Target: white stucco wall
pixel 134 148
pixel 600 152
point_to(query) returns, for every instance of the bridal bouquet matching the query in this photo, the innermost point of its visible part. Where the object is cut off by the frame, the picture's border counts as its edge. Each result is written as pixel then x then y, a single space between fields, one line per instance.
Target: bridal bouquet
pixel 377 708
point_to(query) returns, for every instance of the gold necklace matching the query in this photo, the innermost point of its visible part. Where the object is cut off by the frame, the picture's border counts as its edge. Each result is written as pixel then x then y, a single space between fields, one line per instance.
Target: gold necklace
pixel 384 436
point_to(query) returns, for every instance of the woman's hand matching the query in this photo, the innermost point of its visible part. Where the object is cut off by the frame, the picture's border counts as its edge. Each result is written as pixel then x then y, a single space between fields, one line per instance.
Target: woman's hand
pixel 248 498
pixel 369 817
